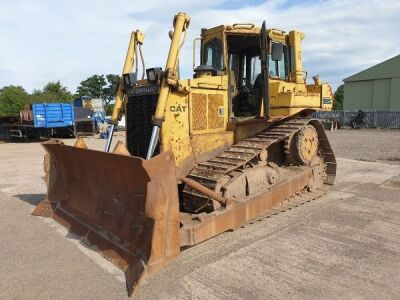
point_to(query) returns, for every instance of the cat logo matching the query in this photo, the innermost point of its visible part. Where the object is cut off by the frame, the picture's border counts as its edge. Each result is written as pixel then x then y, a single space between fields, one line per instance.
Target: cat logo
pixel 178 108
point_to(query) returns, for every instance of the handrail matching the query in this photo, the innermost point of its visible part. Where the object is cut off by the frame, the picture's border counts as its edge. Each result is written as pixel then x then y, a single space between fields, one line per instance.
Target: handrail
pixel 243 25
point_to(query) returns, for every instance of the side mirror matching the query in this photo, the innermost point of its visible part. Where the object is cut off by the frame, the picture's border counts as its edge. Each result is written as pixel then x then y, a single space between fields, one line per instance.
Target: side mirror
pixel 276 51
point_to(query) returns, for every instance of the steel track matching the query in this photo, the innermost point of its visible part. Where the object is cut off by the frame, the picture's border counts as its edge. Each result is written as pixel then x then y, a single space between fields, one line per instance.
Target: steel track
pixel 241 154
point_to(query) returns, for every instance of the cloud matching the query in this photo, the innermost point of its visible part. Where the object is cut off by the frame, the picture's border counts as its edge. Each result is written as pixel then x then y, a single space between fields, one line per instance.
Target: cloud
pixel 50 40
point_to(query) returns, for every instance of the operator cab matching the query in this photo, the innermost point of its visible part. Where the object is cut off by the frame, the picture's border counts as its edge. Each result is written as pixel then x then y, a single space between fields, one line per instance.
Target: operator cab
pixel 235 51
pixel 244 67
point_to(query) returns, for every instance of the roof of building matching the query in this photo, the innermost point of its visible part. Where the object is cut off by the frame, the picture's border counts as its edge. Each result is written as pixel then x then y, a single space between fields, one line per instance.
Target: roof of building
pixel 388 69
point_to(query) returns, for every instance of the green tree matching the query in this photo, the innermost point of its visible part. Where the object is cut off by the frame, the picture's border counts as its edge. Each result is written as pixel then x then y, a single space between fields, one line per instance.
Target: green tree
pixel 12 100
pixel 92 86
pixel 100 86
pixel 52 92
pixel 111 89
pixel 339 97
pixel 110 109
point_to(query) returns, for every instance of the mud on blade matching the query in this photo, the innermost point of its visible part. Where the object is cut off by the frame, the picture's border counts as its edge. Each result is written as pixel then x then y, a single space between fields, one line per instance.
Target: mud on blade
pixel 125 206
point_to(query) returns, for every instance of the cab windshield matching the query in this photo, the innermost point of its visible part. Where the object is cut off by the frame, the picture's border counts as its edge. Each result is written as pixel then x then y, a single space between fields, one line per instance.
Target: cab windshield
pixel 212 55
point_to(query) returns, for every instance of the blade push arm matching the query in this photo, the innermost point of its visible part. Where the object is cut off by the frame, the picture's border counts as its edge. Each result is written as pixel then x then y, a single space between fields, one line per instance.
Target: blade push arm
pixel 181 23
pixel 136 40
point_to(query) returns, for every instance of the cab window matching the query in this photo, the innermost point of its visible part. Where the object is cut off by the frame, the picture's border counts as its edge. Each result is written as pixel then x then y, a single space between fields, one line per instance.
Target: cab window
pixel 212 55
pixel 280 69
pixel 255 68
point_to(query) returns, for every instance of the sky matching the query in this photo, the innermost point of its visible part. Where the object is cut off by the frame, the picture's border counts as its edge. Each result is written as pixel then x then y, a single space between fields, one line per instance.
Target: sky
pixel 70 40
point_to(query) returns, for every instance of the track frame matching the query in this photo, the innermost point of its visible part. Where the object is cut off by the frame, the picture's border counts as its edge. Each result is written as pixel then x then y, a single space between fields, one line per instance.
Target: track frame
pixel 196 228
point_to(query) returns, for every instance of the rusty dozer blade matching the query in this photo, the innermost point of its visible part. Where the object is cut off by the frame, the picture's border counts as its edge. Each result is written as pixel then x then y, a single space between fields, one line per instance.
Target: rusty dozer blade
pixel 125 206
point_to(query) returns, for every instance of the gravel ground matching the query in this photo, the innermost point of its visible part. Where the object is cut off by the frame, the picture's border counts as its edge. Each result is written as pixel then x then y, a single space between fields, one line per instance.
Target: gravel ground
pixel 367 144
pixel 342 245
pixel 377 145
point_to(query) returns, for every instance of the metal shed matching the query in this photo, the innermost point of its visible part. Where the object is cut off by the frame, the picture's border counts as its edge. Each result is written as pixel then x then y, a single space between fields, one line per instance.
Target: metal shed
pixel 376 88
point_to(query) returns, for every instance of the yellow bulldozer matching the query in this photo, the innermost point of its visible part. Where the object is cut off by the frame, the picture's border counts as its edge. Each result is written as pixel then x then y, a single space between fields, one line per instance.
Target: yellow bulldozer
pixel 202 156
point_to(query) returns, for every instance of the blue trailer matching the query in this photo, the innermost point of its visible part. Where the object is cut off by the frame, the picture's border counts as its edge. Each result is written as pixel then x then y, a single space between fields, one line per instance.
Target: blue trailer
pixel 44 120
pixel 53 115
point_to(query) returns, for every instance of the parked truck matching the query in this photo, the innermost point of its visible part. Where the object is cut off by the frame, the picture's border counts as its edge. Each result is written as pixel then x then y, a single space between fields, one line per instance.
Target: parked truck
pixel 43 120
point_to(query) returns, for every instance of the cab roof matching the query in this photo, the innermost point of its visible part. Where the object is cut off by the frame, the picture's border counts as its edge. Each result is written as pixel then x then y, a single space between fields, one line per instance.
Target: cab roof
pixel 245 28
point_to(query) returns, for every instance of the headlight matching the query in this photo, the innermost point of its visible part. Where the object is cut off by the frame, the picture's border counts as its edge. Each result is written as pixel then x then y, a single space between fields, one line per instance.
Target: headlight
pixel 153 74
pixel 129 78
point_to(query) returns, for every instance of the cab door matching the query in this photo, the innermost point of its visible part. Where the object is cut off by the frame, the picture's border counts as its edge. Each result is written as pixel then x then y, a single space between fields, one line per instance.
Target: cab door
pixel 264 56
pixel 274 64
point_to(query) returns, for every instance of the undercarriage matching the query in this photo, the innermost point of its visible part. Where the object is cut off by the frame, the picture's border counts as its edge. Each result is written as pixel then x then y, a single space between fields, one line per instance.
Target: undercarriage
pixel 256 179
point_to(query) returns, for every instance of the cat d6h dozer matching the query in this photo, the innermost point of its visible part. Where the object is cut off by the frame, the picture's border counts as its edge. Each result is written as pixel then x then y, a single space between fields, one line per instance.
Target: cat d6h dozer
pixel 204 155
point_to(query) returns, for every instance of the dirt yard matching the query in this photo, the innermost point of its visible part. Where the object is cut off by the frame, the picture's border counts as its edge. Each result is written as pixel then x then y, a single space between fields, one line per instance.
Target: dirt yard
pixel 367 144
pixel 342 245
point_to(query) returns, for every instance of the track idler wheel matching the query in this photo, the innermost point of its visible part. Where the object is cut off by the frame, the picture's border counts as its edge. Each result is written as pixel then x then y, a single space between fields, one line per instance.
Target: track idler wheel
pixel 304 146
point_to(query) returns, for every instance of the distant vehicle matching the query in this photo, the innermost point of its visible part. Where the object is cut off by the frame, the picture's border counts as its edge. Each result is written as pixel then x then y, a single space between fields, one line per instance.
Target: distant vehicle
pixel 84 101
pixel 359 120
pixel 94 104
pixel 91 117
pixel 44 120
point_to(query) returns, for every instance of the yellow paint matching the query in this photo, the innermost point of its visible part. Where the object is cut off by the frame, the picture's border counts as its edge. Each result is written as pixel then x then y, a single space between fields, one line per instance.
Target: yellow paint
pixel 181 22
pixel 179 132
pixel 244 129
pixel 174 134
pixel 209 145
pixel 309 144
pixel 295 38
pixel 195 114
pixel 137 37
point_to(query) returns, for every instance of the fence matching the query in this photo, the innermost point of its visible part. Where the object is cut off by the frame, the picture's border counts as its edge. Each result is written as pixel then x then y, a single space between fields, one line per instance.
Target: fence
pixel 372 119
